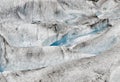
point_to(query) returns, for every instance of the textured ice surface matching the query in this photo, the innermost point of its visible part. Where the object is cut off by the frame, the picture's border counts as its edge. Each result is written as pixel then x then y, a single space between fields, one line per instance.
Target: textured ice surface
pixel 59 41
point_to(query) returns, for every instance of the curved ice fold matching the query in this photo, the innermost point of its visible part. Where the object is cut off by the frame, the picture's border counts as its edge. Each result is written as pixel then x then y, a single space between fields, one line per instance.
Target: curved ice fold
pixel 100 47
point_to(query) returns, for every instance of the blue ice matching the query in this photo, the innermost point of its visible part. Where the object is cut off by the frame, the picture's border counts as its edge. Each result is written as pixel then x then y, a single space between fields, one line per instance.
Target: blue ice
pixel 68 38
pixel 1 68
pixel 61 41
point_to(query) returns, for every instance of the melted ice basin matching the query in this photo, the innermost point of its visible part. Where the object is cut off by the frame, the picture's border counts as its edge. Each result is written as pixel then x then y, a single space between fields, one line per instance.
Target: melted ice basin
pixel 59 40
